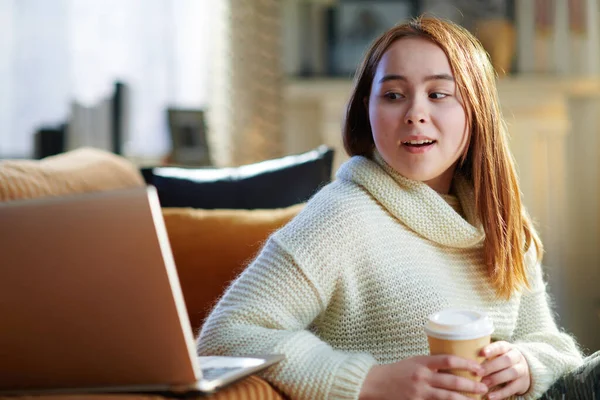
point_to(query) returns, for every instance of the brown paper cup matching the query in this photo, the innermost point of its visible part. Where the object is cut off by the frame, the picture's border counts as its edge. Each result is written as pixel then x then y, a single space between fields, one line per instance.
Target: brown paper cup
pixel 468 349
pixel 462 333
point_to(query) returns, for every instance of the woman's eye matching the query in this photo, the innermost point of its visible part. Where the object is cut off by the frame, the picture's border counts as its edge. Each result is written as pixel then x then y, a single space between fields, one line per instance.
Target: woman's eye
pixel 393 96
pixel 437 95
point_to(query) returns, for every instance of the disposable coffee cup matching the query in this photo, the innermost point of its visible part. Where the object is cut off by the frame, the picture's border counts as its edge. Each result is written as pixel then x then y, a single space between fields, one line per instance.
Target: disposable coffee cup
pixel 462 333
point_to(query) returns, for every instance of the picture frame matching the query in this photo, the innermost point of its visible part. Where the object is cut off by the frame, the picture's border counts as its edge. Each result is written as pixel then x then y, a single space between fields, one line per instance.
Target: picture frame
pixel 187 129
pixel 354 24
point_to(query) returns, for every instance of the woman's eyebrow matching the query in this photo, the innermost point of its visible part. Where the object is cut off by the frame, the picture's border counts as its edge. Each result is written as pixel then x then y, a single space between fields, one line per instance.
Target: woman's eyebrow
pixel 393 77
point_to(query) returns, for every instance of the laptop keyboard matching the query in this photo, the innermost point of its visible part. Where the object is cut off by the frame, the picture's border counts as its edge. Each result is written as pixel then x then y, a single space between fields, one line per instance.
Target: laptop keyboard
pixel 217 372
pixel 215 367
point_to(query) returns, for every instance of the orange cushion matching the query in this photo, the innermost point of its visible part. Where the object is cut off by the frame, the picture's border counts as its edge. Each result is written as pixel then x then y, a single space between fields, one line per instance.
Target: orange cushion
pixel 211 247
pixel 77 171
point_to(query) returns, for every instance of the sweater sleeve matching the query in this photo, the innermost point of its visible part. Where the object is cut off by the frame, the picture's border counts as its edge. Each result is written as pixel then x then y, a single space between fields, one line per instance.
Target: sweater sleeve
pixel 269 309
pixel 549 352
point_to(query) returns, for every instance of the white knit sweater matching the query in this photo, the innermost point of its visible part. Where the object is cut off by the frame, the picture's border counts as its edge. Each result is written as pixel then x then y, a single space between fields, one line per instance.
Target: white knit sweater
pixel 352 279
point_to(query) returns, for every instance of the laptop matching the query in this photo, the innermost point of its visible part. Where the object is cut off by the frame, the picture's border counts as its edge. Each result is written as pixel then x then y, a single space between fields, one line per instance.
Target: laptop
pixel 90 301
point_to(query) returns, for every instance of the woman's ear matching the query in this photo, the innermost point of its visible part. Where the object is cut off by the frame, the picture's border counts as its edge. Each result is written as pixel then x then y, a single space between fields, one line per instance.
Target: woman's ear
pixel 366 102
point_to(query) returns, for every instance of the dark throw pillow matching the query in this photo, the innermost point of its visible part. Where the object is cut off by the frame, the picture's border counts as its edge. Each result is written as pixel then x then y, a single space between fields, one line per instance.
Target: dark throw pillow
pixel 274 183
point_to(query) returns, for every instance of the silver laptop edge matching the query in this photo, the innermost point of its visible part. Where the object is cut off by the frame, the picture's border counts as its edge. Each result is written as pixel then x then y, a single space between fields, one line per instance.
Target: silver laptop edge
pixel 165 249
pixel 201 386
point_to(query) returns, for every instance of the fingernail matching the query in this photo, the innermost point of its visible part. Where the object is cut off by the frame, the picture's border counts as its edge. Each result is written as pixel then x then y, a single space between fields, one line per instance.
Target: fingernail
pixel 483 389
pixel 491 396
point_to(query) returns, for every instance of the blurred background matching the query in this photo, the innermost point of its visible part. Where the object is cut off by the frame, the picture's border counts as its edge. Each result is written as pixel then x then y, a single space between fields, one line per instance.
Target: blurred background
pixel 221 83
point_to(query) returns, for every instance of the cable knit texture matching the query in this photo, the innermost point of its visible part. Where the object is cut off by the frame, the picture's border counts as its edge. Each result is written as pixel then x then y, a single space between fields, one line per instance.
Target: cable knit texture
pixel 351 281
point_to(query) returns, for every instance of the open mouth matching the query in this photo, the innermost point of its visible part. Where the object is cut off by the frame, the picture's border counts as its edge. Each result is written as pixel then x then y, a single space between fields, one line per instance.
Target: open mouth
pixel 419 143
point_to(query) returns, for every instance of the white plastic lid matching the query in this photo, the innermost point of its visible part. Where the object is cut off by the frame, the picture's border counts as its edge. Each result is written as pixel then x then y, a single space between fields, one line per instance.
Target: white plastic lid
pixel 456 324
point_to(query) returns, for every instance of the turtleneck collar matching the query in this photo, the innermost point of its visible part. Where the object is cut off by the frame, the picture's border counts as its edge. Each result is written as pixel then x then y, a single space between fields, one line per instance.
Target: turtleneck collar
pixel 417 205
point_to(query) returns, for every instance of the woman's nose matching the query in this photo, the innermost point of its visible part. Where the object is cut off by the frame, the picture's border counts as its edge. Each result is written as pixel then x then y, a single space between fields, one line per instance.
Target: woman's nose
pixel 415 114
pixel 412 120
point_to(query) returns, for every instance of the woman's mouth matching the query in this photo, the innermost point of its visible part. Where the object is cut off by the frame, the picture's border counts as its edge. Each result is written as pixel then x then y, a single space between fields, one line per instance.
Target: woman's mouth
pixel 417 146
pixel 418 143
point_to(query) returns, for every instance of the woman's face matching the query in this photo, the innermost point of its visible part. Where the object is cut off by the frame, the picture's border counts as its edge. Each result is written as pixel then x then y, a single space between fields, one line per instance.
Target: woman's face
pixel 418 119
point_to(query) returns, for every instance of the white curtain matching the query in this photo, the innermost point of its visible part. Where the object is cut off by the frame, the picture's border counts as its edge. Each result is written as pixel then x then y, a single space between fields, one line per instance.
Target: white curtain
pixel 55 52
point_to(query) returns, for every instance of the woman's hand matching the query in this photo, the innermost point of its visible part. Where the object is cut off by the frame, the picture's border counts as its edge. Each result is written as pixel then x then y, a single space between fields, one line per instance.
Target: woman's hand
pixel 418 378
pixel 506 366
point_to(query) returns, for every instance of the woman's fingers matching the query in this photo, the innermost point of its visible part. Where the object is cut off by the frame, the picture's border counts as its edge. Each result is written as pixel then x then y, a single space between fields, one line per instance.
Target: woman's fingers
pixel 507 375
pixel 495 349
pixel 505 365
pixel 501 362
pixel 441 394
pixel 444 362
pixel 505 392
pixel 457 383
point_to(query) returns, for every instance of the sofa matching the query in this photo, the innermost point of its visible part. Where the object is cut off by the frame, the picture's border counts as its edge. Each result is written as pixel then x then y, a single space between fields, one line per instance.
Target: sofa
pixel 211 244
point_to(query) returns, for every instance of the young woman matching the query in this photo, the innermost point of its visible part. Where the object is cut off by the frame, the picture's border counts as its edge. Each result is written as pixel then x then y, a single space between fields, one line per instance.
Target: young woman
pixel 426 215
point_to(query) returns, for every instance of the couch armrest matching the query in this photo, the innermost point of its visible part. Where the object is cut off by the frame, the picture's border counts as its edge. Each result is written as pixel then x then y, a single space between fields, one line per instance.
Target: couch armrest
pixel 78 171
pixel 251 388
